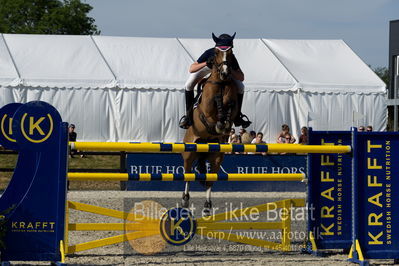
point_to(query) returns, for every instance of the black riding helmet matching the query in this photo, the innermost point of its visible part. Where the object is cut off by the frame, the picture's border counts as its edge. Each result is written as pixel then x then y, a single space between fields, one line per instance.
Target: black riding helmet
pixel 224 39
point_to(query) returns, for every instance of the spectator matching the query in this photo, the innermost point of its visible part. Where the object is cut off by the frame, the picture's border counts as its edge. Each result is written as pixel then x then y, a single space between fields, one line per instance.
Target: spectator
pixel 72 138
pixel 285 129
pixel 235 139
pixel 71 133
pixel 246 138
pixel 242 131
pixel 303 139
pixel 257 140
pixel 361 129
pixel 232 136
pixel 252 134
pixel 288 140
pixel 369 129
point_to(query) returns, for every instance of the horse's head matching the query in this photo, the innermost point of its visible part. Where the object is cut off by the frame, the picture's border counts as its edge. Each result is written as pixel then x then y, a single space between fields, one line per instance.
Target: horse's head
pixel 223 55
pixel 223 61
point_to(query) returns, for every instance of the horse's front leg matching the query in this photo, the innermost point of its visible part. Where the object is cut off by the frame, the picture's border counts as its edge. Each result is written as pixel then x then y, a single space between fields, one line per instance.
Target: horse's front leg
pixel 220 124
pixel 229 122
pixel 215 162
pixel 188 158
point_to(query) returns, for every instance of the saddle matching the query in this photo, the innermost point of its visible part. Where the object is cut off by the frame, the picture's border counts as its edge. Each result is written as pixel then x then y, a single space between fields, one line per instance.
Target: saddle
pixel 201 84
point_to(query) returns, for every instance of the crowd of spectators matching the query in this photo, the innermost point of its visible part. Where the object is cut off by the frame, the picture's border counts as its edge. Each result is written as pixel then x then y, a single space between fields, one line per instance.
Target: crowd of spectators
pixel 284 137
pixel 367 129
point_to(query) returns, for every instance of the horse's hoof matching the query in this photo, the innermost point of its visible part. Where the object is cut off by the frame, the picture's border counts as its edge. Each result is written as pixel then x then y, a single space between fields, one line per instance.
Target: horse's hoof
pixel 206 212
pixel 185 201
pixel 207 208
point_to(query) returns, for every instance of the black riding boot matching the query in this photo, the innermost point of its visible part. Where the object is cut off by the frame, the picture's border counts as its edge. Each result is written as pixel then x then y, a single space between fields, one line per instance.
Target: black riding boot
pixel 239 121
pixel 186 120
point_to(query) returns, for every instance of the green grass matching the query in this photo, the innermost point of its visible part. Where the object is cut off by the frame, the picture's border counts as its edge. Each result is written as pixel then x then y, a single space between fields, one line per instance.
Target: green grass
pixel 6 161
pixel 89 162
pixel 94 161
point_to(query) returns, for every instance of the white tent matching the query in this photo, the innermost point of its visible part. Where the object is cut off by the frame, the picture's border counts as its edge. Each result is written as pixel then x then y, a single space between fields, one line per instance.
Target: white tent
pixel 131 89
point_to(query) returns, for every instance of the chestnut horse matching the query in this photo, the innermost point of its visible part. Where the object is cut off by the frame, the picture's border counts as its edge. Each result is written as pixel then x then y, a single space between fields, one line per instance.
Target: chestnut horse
pixel 212 120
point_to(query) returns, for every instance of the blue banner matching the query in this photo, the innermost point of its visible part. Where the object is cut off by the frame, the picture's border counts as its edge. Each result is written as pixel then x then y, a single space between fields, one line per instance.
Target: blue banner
pixel 329 192
pixel 36 195
pixel 376 195
pixel 156 163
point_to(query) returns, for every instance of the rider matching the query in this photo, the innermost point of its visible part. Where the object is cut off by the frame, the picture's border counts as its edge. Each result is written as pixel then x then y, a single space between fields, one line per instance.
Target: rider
pixel 203 67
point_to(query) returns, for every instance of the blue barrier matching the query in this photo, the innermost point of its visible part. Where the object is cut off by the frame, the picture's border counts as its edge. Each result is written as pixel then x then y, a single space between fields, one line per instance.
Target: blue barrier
pixel 36 195
pixel 376 195
pixel 329 195
pixel 156 163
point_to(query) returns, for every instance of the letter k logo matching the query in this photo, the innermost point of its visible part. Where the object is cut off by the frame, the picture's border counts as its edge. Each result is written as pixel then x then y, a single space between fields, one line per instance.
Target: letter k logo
pixel 35 125
pixel 176 226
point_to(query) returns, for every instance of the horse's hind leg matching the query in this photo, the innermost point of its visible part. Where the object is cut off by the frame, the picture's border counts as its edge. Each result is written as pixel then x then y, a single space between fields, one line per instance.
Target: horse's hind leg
pixel 208 203
pixel 185 201
pixel 203 170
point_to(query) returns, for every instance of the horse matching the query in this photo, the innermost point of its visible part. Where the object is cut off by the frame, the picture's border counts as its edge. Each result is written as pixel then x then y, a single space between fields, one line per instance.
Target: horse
pixel 212 120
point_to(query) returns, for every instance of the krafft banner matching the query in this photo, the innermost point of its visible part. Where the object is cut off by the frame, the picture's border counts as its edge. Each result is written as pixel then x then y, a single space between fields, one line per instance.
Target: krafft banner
pixel 34 201
pixel 329 195
pixel 376 194
pixel 168 163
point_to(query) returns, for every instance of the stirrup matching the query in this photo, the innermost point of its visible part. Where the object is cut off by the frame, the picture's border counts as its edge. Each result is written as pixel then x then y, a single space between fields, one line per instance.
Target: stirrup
pixel 184 122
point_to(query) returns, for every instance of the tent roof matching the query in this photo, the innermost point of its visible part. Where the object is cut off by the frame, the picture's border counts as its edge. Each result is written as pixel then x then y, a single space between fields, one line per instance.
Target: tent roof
pixel 318 64
pixel 129 62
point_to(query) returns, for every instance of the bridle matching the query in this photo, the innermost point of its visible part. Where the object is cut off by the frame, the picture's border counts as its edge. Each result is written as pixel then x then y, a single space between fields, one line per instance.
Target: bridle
pixel 219 67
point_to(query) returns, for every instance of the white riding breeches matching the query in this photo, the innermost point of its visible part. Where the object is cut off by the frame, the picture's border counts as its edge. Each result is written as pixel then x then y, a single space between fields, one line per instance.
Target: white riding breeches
pixel 196 77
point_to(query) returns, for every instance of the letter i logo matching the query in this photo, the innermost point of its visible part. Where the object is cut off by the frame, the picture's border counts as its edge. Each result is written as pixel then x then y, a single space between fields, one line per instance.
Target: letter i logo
pixel 8 136
pixel 6 127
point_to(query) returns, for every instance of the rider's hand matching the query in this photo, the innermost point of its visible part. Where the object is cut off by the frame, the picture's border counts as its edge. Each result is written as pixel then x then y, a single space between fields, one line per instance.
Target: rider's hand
pixel 209 62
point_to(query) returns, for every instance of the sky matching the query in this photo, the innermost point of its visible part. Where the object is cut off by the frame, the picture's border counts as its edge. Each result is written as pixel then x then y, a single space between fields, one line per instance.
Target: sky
pixel 362 24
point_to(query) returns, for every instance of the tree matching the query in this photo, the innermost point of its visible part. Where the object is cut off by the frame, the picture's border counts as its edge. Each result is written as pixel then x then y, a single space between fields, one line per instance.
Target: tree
pixel 46 17
pixel 383 73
